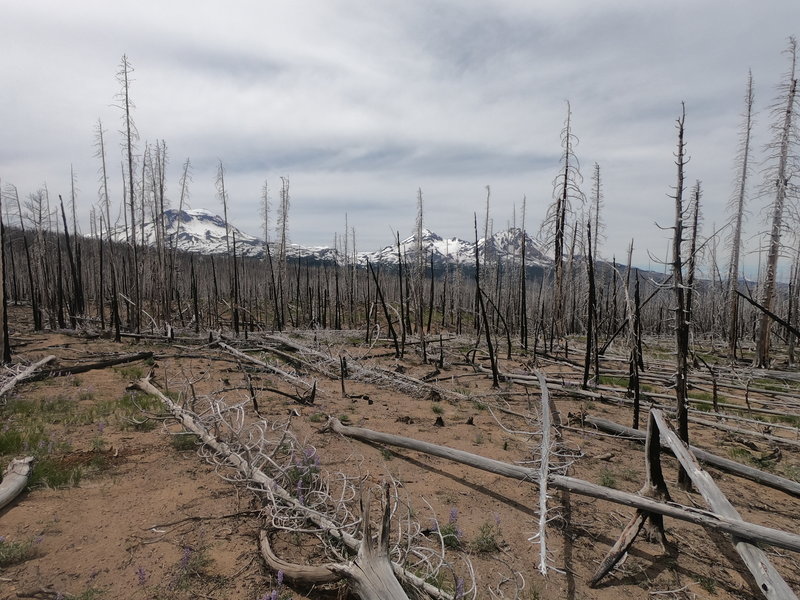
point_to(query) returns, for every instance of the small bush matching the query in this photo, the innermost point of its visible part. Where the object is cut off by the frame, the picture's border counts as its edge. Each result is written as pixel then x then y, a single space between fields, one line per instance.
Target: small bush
pixel 184 441
pixel 54 473
pixel 437 409
pixel 13 553
pixel 487 540
pixel 608 479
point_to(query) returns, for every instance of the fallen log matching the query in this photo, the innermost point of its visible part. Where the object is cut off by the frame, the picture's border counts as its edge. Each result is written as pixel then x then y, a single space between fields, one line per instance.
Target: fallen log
pixel 771 584
pixel 258 476
pixel 15 478
pixel 369 574
pixel 741 529
pixel 311 389
pixel 723 464
pixel 102 364
pixel 26 374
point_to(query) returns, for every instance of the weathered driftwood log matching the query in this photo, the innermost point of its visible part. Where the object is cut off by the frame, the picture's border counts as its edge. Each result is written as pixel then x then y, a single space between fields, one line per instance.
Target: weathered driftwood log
pixel 741 529
pixel 769 580
pixel 256 475
pixel 15 478
pixel 24 375
pixel 723 464
pixel 369 575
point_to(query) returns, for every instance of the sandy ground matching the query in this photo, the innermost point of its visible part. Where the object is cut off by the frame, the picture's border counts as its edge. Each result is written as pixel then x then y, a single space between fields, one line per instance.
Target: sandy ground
pixel 150 521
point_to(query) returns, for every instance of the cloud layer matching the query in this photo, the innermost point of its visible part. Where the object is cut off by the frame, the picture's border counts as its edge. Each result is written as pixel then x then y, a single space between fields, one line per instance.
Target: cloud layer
pixel 362 103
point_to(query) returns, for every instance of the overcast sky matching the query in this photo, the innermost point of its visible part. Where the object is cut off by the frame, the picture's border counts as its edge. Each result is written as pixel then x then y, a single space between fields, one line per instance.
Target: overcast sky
pixel 360 103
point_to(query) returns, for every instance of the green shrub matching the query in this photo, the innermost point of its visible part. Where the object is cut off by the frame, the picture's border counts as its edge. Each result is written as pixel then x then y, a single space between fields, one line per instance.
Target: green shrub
pixel 13 553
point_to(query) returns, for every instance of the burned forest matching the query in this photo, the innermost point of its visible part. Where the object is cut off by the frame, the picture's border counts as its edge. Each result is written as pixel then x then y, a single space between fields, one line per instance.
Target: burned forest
pixel 518 416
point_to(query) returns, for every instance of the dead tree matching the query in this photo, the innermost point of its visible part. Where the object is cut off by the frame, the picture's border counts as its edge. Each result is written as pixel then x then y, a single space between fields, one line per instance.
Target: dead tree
pixel 130 136
pixel 681 311
pixel 778 179
pixel 737 205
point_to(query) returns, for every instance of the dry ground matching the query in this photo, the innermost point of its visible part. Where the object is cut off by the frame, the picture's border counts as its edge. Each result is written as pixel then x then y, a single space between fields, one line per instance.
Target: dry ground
pixel 150 519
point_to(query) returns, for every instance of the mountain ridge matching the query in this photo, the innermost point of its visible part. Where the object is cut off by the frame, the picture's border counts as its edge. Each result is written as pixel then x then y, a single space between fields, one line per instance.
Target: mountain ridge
pixel 202 231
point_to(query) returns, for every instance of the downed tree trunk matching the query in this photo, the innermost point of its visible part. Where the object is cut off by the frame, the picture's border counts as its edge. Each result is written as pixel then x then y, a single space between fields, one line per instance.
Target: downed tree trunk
pixel 654 487
pixel 370 574
pixel 741 529
pixel 25 374
pixel 769 580
pixel 723 464
pixel 256 475
pixel 15 478
pixel 311 389
pixel 102 364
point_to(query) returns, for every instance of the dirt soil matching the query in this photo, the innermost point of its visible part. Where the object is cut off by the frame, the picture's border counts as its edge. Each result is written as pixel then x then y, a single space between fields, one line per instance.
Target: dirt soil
pixel 152 519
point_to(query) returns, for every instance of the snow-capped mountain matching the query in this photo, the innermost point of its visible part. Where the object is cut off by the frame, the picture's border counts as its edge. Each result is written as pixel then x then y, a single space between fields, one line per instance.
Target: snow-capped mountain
pixel 505 246
pixel 202 231
pixel 198 230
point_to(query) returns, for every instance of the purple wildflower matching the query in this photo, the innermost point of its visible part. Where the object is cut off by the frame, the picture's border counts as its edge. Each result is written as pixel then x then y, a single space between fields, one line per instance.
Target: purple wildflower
pixel 141 574
pixel 453 515
pixel 280 578
pixel 187 555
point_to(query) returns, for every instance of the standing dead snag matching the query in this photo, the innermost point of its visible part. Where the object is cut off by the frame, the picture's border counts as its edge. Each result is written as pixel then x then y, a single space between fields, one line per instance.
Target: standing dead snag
pixel 681 309
pixel 779 177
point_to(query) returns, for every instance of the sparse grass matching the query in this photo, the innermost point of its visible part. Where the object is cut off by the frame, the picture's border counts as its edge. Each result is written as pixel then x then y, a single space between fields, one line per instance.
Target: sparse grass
pixel 184 441
pixel 54 473
pixel 709 584
pixel 130 372
pixel 90 594
pixel 317 417
pixel 14 553
pixel 608 478
pixel 478 405
pixel 386 454
pixel 617 381
pixel 792 472
pixel 487 539
pixel 437 409
pixel 345 419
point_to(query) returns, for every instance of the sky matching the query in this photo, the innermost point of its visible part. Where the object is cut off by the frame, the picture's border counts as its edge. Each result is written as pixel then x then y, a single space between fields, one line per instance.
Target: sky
pixel 362 103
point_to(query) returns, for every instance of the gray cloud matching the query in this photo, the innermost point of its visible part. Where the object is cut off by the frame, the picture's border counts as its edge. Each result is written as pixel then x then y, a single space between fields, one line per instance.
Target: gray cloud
pixel 361 103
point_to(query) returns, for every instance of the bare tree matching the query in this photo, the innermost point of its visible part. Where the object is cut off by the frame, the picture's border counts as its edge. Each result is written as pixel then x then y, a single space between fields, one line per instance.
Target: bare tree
pixel 566 188
pixel 130 136
pixel 737 205
pixel 681 313
pixel 778 178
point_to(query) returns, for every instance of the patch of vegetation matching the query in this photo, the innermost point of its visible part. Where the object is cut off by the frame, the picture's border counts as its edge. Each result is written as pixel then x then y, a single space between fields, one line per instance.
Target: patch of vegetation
pixel 488 538
pixel 345 419
pixel 53 472
pixel 792 472
pixel 317 417
pixel 608 478
pixel 130 372
pixel 193 563
pixel 90 594
pixel 184 441
pixel 386 454
pixel 709 584
pixel 617 381
pixel 14 553
pixel 478 405
pixel 437 409
pixel 451 533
